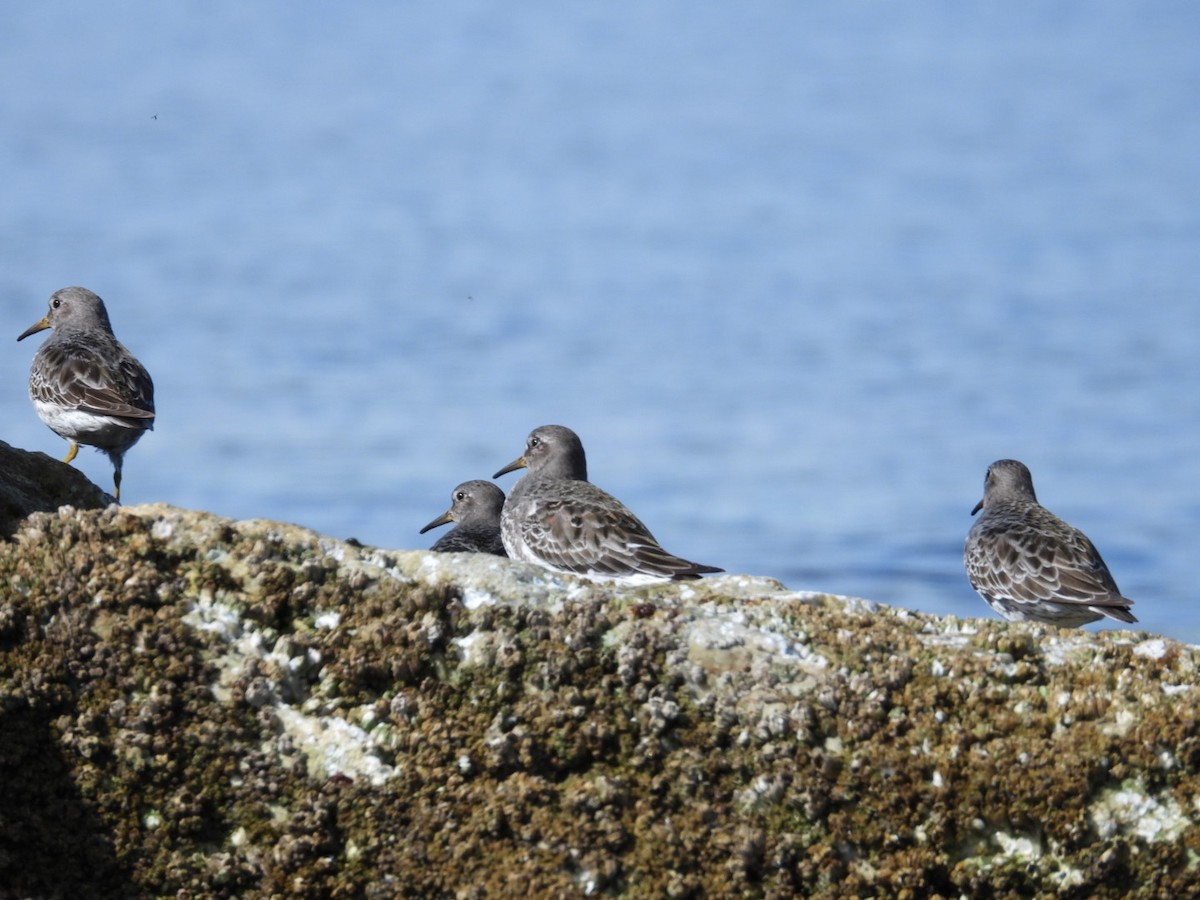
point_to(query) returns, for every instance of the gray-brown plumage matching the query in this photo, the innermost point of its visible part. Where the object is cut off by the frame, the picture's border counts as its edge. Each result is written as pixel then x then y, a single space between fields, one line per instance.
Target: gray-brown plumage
pixel 1030 565
pixel 475 508
pixel 556 518
pixel 84 384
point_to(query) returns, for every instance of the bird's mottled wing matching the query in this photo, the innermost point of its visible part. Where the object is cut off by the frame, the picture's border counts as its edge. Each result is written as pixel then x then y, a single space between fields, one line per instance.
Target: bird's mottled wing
pixel 73 375
pixel 1026 565
pixel 590 532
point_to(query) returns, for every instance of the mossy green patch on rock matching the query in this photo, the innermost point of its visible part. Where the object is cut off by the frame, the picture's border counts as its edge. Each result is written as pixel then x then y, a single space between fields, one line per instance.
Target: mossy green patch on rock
pixel 202 708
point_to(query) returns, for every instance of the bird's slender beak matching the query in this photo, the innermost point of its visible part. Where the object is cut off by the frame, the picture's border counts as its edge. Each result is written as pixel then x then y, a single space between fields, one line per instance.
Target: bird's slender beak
pixel 440 520
pixel 978 507
pixel 40 325
pixel 518 463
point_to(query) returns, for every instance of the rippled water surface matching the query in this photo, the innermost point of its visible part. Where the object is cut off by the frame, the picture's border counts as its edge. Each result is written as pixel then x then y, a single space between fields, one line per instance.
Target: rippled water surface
pixel 795 274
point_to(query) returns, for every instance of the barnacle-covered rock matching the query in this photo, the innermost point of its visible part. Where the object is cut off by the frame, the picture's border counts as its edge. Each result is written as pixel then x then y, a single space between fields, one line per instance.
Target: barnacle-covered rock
pixel 197 707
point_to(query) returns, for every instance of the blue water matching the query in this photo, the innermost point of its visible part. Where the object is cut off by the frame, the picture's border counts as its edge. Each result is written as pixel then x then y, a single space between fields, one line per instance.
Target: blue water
pixel 795 273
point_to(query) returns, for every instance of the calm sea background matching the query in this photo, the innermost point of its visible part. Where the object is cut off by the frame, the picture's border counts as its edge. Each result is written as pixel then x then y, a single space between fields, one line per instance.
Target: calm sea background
pixel 796 273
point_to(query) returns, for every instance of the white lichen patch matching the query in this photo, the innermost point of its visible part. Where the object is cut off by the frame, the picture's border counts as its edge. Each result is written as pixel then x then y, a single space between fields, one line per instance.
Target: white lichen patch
pixel 1069 643
pixel 1155 648
pixel 474 597
pixel 951 625
pixel 335 550
pixel 1129 809
pixel 431 568
pixel 1124 720
pixel 950 632
pixel 1020 847
pixel 722 589
pixel 210 615
pixel 487 580
pixel 327 620
pixel 466 647
pixel 585 879
pixel 333 746
pixel 383 563
pixel 730 642
pixel 861 606
pixel 737 585
pixel 1027 851
pixel 762 792
pixel 330 744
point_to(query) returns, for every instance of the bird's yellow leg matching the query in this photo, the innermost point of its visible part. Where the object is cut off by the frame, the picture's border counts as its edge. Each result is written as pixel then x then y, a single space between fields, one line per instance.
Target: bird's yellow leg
pixel 71 453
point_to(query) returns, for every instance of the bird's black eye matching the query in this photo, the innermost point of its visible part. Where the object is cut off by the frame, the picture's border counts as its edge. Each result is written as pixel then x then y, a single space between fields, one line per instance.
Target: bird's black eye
pixel 56 303
pixel 533 442
pixel 460 495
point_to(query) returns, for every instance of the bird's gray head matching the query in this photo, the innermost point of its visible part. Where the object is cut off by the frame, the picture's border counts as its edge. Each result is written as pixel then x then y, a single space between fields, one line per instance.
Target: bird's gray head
pixel 552 451
pixel 72 308
pixel 480 499
pixel 1006 479
pixel 474 502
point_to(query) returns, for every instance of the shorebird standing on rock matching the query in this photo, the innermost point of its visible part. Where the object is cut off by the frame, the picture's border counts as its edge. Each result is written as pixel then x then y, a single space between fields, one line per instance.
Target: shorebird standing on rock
pixel 558 519
pixel 1030 565
pixel 84 384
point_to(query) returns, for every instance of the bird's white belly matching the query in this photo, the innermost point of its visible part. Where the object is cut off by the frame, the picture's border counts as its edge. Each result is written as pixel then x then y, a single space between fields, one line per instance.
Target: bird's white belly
pixel 75 424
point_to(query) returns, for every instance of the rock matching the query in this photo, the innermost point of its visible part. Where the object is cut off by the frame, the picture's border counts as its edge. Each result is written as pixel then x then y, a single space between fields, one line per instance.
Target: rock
pixel 197 707
pixel 34 482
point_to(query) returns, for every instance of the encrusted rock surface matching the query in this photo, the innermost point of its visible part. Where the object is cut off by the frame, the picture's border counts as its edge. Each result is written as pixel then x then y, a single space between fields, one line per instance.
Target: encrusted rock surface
pixel 194 707
pixel 33 482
